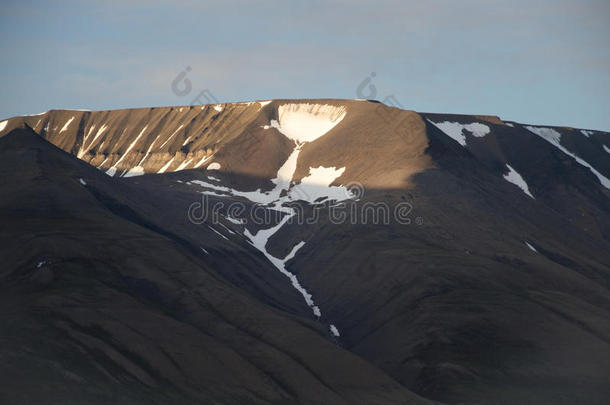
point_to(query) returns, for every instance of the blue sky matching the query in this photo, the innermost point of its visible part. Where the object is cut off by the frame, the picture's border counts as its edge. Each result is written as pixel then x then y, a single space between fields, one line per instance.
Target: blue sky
pixel 534 61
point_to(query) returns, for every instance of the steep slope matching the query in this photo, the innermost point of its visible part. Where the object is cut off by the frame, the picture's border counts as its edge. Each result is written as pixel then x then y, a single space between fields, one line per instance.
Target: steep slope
pixel 240 137
pixel 465 256
pixel 102 304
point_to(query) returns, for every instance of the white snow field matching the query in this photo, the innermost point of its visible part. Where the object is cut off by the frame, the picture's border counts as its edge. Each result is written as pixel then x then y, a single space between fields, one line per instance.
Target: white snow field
pixel 533 249
pixel 455 130
pixel 307 122
pixel 554 138
pixel 66 125
pixel 301 123
pixel 514 177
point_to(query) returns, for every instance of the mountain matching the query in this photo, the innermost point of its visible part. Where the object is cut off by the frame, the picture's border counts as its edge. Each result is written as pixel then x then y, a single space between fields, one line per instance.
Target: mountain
pixel 303 251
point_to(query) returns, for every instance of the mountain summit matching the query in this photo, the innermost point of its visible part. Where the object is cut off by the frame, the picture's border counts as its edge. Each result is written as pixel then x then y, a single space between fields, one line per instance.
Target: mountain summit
pixel 302 251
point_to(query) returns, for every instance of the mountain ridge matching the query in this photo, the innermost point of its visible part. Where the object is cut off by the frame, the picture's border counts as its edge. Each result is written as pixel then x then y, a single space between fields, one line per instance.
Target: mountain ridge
pixel 488 282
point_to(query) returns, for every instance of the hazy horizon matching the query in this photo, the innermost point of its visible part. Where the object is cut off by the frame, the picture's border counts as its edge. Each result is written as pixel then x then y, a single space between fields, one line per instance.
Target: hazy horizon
pixel 540 62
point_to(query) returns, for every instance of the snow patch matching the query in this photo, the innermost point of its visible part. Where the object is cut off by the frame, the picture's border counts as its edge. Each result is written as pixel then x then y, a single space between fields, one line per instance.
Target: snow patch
pixel 607 149
pixel 264 103
pixel 111 172
pixel 313 187
pixel 148 150
pixel 259 241
pixel 184 165
pixel 317 186
pixel 202 161
pixel 236 221
pixel 294 251
pixel 294 124
pixel 89 132
pixel 218 233
pixel 256 197
pixel 334 330
pixel 322 176
pixel 134 171
pixel 227 229
pixel 102 164
pixel 477 129
pixel 98 133
pixel 204 250
pixel 66 125
pixel 167 165
pixel 171 136
pixel 455 130
pixel 554 138
pixel 531 247
pixel 83 182
pixel 307 122
pixel 129 148
pixel 285 173
pixel 586 133
pixel 186 141
pixel 514 177
pixel 84 150
pixel 3 125
pixel 218 107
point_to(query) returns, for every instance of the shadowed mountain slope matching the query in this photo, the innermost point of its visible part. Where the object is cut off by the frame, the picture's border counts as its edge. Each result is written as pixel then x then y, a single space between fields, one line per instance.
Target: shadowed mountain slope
pixel 337 251
pixel 101 304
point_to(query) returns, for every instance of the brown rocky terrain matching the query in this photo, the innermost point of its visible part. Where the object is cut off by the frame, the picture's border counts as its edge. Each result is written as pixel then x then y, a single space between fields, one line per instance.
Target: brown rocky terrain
pixel 450 258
